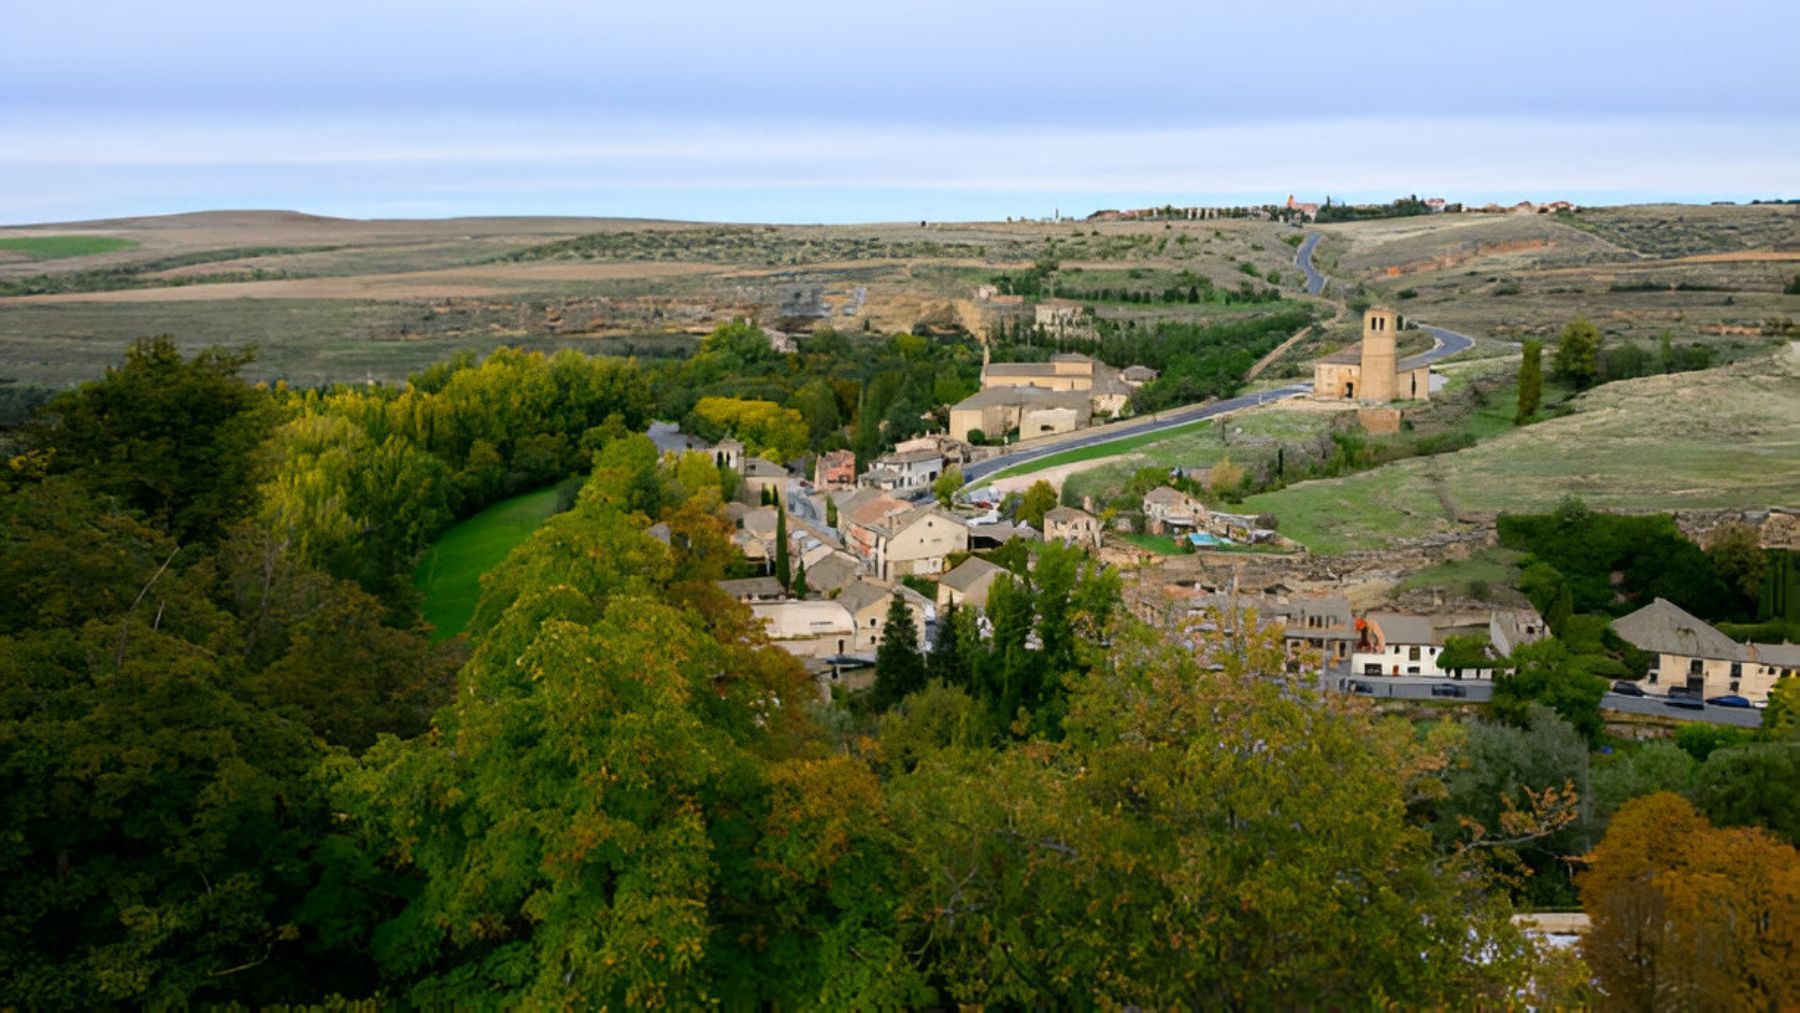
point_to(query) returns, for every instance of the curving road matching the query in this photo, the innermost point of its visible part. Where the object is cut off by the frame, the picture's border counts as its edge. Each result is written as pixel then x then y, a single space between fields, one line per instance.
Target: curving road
pixel 1315 282
pixel 1448 343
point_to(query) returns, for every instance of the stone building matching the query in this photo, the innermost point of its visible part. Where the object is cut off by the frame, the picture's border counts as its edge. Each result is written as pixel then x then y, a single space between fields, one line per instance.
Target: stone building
pixel 1369 369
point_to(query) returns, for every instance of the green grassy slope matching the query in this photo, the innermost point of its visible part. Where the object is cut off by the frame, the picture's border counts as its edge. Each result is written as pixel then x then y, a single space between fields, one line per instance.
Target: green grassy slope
pixel 450 571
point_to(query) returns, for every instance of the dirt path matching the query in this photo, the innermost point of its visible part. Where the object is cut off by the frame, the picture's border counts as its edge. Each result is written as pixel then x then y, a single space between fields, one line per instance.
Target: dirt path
pixel 1057 475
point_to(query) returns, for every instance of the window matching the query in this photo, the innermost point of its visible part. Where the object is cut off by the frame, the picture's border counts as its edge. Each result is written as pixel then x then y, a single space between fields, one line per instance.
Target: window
pixel 1412 654
pixel 1694 666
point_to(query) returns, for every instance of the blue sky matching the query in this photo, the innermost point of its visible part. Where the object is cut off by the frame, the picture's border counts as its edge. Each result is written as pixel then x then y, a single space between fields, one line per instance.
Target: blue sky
pixel 844 112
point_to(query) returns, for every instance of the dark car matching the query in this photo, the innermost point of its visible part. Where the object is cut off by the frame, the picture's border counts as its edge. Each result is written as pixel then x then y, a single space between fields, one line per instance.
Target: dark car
pixel 1363 688
pixel 1686 703
pixel 1624 688
pixel 1729 700
pixel 1447 689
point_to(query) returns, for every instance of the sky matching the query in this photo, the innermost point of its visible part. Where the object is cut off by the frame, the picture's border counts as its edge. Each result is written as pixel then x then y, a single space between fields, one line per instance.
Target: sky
pixel 842 111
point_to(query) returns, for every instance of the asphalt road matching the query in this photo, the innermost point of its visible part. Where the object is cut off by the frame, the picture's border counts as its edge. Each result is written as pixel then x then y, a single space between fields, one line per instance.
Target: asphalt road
pixel 1448 343
pixel 1403 687
pixel 1315 282
pixel 1743 717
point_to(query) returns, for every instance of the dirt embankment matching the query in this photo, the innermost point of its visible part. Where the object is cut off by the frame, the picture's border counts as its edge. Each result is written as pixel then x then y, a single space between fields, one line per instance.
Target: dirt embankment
pixel 1446 261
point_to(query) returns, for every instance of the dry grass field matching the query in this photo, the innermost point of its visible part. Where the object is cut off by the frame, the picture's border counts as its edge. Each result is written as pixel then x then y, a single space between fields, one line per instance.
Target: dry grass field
pixel 328 299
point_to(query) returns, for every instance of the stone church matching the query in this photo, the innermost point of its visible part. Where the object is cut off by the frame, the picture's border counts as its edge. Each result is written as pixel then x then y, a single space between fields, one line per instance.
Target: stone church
pixel 1369 369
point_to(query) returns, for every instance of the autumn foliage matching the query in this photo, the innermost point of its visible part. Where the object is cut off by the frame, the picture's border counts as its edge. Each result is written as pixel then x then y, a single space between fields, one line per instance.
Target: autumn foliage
pixel 1688 916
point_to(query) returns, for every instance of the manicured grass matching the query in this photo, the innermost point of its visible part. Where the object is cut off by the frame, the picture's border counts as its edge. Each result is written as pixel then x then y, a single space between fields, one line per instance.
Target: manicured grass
pixel 450 571
pixel 61 247
pixel 1120 446
pixel 1162 544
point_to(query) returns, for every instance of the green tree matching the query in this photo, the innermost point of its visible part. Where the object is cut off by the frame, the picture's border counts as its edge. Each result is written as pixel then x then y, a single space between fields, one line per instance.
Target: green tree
pixel 947 485
pixel 831 511
pixel 1498 773
pixel 1122 866
pixel 1757 784
pixel 946 662
pixel 173 437
pixel 1531 381
pixel 1546 673
pixel 799 587
pixel 1644 769
pixel 1738 558
pixel 899 665
pixel 1039 500
pixel 783 573
pixel 1578 353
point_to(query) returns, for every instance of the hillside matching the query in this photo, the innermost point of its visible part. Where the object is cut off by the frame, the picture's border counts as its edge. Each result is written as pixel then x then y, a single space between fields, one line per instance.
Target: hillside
pixel 1725 437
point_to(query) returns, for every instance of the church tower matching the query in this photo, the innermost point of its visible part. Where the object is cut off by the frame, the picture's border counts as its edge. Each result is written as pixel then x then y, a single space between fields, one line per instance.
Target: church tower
pixel 1378 362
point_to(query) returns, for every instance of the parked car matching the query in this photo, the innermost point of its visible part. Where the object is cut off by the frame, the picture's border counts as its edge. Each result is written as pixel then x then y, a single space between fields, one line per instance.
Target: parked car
pixel 1449 689
pixel 1362 687
pixel 1729 700
pixel 1624 688
pixel 1686 703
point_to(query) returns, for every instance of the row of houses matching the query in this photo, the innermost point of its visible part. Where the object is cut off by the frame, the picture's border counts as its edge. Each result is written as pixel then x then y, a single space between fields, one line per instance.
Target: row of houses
pixel 1322 632
pixel 1038 399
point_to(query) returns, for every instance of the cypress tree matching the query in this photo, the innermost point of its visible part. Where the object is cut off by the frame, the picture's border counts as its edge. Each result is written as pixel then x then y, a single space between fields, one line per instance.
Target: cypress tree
pixel 899 667
pixel 1531 381
pixel 782 573
pixel 800 589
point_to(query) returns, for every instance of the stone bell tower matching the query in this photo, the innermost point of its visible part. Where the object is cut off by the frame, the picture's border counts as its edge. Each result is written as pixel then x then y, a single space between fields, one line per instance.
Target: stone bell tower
pixel 1378 362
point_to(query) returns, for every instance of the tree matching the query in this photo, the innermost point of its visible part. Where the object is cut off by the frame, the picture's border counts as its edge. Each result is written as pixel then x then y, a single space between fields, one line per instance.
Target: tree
pixel 899 667
pixel 1122 866
pixel 799 586
pixel 1468 653
pixel 1531 381
pixel 1503 773
pixel 831 511
pixel 1039 500
pixel 173 437
pixel 1739 560
pixel 947 485
pixel 1578 353
pixel 1682 915
pixel 1545 672
pixel 1644 769
pixel 1224 476
pixel 1753 785
pixel 946 662
pixel 783 573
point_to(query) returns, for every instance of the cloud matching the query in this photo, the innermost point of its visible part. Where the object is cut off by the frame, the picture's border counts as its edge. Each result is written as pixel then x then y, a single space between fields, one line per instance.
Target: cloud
pixel 474 163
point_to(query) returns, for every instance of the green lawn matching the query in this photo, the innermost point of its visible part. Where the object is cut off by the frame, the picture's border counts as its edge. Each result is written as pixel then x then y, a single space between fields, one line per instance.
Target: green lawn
pixel 1120 446
pixel 450 571
pixel 61 247
pixel 1161 544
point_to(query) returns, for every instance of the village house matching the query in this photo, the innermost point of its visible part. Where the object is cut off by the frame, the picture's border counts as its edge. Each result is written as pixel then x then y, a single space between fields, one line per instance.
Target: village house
pixel 1690 657
pixel 835 469
pixel 669 439
pixel 868 601
pixel 1167 510
pixel 831 571
pixel 1106 389
pixel 1316 632
pixel 968 583
pixel 1072 527
pixel 860 514
pixel 1369 371
pixel 754 589
pixel 1389 643
pixel 760 475
pixel 1511 629
pixel 808 629
pixel 904 471
pixel 953 450
pixel 729 453
pixel 997 411
pixel 915 542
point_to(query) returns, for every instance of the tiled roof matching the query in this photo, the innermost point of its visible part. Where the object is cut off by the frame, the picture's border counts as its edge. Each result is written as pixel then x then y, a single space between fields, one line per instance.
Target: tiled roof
pixel 1666 628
